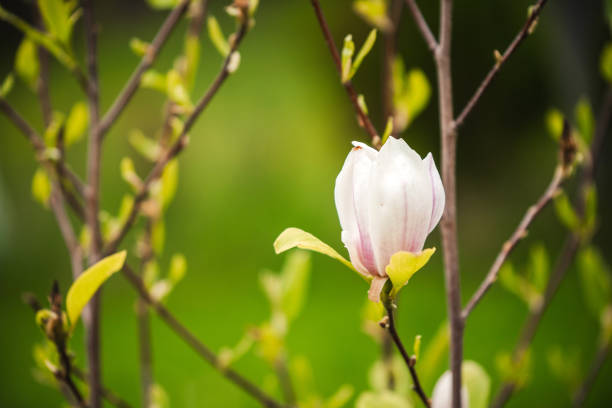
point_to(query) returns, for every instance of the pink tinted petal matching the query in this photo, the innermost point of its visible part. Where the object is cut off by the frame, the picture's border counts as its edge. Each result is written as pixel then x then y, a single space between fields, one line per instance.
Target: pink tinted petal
pixel 375 288
pixel 438 194
pixel 400 202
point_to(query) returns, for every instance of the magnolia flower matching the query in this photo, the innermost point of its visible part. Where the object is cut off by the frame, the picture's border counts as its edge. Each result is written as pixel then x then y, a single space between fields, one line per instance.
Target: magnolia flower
pixel 442 393
pixel 388 201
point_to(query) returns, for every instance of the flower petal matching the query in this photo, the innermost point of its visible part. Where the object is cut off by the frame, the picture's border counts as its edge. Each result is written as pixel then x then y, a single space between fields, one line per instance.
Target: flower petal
pixel 351 194
pixel 376 288
pixel 439 196
pixel 400 202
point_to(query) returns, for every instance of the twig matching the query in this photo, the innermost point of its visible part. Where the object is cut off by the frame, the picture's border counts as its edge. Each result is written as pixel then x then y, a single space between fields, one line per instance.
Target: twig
pixel 180 143
pixel 448 225
pixel 132 84
pixel 519 233
pixel 389 324
pixel 525 31
pixel 364 119
pixel 284 379
pixel 594 370
pixel 144 326
pixel 422 25
pixel 567 254
pixel 196 345
pixel 107 394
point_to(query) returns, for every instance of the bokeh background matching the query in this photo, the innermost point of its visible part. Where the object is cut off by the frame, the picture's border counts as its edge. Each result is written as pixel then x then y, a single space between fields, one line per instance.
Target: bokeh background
pixel 265 155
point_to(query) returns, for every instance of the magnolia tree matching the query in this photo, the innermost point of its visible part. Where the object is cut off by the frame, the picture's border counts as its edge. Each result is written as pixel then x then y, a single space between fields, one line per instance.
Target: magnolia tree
pixel 389 198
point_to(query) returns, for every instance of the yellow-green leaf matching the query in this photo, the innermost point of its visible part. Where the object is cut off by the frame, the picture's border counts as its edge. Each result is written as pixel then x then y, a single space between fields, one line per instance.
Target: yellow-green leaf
pixel 477 382
pixel 347 57
pixel 405 264
pixel 388 130
pixel 139 47
pixel 216 36
pixel 158 236
pixel 566 213
pixel 128 173
pixel 178 268
pixel 417 346
pixel 294 283
pixel 7 85
pixel 341 397
pixel 177 92
pixel 363 52
pixel 76 123
pixel 87 284
pixel 26 62
pixel 169 182
pixel 554 123
pixel 585 121
pixel 143 145
pixel 295 237
pixel 374 12
pixel 163 4
pixel 41 187
pixel 56 15
pixel 153 79
pixel 52 131
pixel 606 62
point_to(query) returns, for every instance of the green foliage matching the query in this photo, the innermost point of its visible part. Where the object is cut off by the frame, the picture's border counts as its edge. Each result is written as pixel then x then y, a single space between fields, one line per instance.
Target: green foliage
pixel 554 123
pixel 416 348
pixel 128 173
pixel 53 129
pixel 348 48
pixel 147 147
pixel 45 360
pixel 217 37
pixel 606 62
pixel 177 91
pixel 76 123
pixel 434 353
pixel 59 17
pixel 26 63
pixel 363 52
pixel 538 267
pixel 381 372
pixel 382 399
pixel 155 80
pixel 374 12
pixel 518 371
pixel 566 366
pixel 88 283
pixel 403 265
pixel 161 288
pixel 388 130
pixel 7 85
pixel 41 187
pixel 295 237
pixel 566 213
pixel 139 47
pixel 585 121
pixel 163 4
pixel 477 382
pixel 596 280
pixel 158 236
pixel 411 94
pixel 528 287
pixel 157 394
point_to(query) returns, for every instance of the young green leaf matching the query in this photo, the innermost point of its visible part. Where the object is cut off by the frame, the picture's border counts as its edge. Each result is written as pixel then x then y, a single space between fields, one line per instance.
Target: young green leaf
pixel 416 349
pixel 539 267
pixel 163 4
pixel 89 282
pixel 590 209
pixel 295 237
pixel 41 187
pixel 363 52
pixel 178 268
pixel 606 62
pixel 139 47
pixel 169 183
pixel 7 85
pixel 294 283
pixel 158 236
pixel 585 121
pixel 157 394
pixel 554 123
pixel 26 63
pixel 566 213
pixel 216 36
pixel 362 103
pixel 596 280
pixel 386 398
pixel 403 265
pixel 57 17
pixel 373 12
pixel 347 57
pixel 388 130
pixel 153 79
pixel 76 123
pixel 143 145
pixel 177 92
pixel 341 397
pixel 128 173
pixel 192 58
pixel 478 384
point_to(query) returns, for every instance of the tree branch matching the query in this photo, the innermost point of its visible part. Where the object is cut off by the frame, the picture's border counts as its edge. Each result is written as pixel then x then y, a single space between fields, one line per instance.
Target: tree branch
pixel 389 324
pixel 525 31
pixel 422 25
pixel 107 394
pixel 519 233
pixel 147 60
pixel 364 119
pixel 594 370
pixel 196 345
pixel 180 143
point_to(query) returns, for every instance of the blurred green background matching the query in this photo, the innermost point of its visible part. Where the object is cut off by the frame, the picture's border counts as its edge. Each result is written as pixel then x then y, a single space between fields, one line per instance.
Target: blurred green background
pixel 264 156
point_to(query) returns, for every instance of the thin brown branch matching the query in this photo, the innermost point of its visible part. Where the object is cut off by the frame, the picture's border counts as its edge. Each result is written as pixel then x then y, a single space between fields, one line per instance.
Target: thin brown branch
pixel 284 379
pixel 594 370
pixel 107 394
pixel 389 324
pixel 422 25
pixel 144 325
pixel 519 233
pixel 364 119
pixel 448 225
pixel 196 345
pixel 181 141
pixel 523 33
pixel 133 83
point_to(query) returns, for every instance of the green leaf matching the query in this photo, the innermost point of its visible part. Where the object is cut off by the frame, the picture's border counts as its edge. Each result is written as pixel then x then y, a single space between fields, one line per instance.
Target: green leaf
pixel 177 92
pixel 388 130
pixel 362 103
pixel 416 349
pixel 7 85
pixel 192 58
pixel 158 236
pixel 565 366
pixel 383 399
pixel 157 394
pixel 216 36
pixel 178 268
pixel 56 15
pixel 88 283
pixel 228 356
pixel 153 79
pixel 76 123
pixel 595 279
pixel 411 94
pixel 52 131
pixel 341 397
pixel 434 353
pixel 373 12
pixel 127 203
pixel 149 148
pixel 295 237
pixel 381 371
pixel 294 283
pixel 554 123
pixel 139 47
pixel 347 58
pixel 163 4
pixel 128 173
pixel 585 120
pixel 363 52
pixel 606 62
pixel 26 63
pixel 405 264
pixel 41 187
pixel 169 182
pixel 517 372
pixel 477 382
pixel 566 213
pixel 539 267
